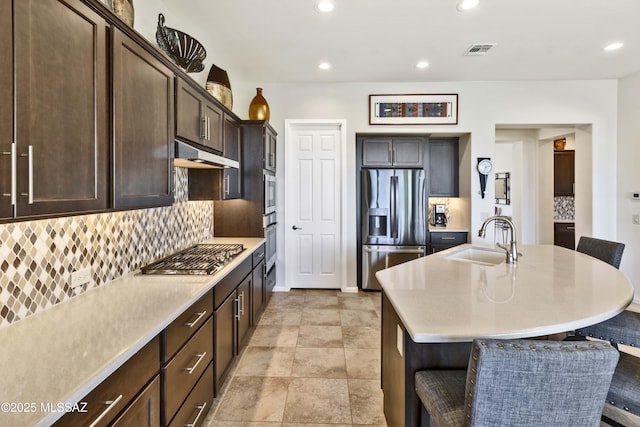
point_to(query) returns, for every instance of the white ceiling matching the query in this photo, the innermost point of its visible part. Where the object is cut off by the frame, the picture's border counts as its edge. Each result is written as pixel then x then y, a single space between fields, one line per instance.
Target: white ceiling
pixel 381 41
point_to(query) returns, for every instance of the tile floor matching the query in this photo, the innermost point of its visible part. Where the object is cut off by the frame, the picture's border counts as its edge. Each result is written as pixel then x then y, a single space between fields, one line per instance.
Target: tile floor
pixel 313 360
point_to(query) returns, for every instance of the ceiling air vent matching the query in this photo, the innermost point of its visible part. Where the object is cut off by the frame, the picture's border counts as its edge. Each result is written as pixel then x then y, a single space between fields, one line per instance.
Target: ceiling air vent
pixel 478 49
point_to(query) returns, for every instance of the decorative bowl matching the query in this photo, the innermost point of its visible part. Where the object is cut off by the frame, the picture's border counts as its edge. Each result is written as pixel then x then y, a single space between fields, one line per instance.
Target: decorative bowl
pixel 183 49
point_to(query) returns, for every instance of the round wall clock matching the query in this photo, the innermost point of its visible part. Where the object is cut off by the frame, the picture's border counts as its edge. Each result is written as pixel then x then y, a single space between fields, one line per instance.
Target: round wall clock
pixel 485 166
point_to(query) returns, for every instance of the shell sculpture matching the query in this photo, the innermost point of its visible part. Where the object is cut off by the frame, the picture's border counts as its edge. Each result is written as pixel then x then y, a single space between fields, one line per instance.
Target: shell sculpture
pixel 183 49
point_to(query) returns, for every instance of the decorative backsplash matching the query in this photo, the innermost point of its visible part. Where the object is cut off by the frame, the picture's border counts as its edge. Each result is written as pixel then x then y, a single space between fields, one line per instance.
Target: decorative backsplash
pixel 564 208
pixel 38 257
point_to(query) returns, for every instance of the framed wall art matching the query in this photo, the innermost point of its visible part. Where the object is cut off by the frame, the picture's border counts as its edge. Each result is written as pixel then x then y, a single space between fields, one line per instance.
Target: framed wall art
pixel 432 109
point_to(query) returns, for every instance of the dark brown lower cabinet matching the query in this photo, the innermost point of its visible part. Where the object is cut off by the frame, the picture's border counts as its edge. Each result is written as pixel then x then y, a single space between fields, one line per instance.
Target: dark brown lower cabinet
pixel 439 241
pixel 224 340
pixel 564 234
pixel 144 410
pixel 195 408
pixel 183 371
pixel 115 393
pixel 257 292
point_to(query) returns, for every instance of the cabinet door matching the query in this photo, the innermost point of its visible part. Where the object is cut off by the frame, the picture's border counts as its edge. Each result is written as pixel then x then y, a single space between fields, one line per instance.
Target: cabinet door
pixel 232 178
pixel 563 173
pixel 143 143
pixel 243 311
pixel 214 127
pixel 443 168
pixel 377 152
pixel 61 107
pixel 145 410
pixel 564 235
pixel 407 152
pixel 224 342
pixel 257 292
pixel 190 120
pixel 6 109
pixel 270 150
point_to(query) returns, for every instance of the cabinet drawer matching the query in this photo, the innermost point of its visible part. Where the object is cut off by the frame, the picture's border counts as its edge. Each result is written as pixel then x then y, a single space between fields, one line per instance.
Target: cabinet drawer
pixel 228 284
pixel 448 238
pixel 114 393
pixel 194 410
pixel 181 329
pixel 258 255
pixel 186 367
pixel 145 410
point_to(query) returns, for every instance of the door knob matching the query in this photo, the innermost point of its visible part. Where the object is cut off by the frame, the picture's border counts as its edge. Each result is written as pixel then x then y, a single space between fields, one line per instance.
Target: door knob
pixel 296 228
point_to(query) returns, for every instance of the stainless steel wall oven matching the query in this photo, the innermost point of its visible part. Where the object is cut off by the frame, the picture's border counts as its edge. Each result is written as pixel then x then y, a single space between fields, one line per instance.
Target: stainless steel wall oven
pixel 269 193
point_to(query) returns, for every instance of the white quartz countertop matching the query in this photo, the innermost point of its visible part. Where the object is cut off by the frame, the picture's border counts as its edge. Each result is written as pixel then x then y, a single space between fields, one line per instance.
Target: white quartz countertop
pixel 62 353
pixel 550 290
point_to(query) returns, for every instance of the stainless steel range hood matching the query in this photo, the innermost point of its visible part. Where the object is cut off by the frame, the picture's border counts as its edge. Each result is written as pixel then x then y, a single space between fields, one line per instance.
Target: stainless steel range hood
pixel 189 156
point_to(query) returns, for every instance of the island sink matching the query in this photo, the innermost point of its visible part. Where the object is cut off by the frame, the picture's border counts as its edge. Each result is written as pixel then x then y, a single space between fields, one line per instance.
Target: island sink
pixel 478 254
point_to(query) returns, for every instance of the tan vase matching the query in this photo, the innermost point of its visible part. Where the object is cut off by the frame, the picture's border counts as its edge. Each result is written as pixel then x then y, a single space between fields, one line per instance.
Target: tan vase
pixel 219 87
pixel 124 10
pixel 259 109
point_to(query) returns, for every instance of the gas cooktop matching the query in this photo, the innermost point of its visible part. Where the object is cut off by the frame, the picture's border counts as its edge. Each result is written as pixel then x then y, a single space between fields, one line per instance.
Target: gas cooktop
pixel 203 259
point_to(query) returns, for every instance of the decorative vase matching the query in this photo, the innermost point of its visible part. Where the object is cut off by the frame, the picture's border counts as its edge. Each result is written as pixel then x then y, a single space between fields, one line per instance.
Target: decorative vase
pixel 259 109
pixel 219 87
pixel 558 144
pixel 124 10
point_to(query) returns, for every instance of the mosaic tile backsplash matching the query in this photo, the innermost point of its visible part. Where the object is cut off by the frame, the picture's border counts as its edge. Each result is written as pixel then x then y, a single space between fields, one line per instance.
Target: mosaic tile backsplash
pixel 38 257
pixel 564 208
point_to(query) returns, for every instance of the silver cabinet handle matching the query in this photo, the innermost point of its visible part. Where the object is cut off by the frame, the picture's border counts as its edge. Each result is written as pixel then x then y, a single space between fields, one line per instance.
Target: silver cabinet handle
pixel 226 185
pixel 29 157
pixel 237 300
pixel 242 309
pixel 203 127
pixel 200 357
pixel 200 315
pixel 447 238
pixel 112 404
pixel 200 412
pixel 12 191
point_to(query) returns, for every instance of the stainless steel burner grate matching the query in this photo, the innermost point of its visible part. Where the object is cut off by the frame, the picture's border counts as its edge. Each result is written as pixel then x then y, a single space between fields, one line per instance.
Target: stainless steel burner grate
pixel 202 259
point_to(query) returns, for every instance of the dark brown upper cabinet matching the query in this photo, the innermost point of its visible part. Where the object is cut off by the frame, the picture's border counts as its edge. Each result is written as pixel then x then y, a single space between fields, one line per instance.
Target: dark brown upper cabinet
pixel 405 152
pixel 143 96
pixel 443 168
pixel 60 145
pixel 563 173
pixel 232 178
pixel 6 110
pixel 198 118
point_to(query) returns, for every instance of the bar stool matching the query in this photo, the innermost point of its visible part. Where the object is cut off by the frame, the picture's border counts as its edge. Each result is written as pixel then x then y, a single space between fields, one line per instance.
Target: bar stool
pixel 521 383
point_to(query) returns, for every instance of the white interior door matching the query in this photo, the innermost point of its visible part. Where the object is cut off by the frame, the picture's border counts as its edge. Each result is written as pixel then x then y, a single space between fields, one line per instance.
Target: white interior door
pixel 313 205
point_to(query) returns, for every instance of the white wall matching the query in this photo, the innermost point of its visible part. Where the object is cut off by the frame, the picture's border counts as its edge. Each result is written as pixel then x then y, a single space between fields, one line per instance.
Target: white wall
pixel 629 175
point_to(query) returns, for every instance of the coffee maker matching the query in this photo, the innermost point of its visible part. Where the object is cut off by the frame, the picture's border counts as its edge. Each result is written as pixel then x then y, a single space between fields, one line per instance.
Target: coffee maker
pixel 438 216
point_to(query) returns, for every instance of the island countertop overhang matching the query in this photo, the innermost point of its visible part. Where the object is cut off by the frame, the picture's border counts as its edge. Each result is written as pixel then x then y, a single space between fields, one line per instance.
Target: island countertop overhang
pixel 550 290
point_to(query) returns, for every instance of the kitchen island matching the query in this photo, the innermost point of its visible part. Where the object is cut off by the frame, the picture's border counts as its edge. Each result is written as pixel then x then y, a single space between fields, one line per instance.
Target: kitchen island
pixel 433 307
pixel 51 360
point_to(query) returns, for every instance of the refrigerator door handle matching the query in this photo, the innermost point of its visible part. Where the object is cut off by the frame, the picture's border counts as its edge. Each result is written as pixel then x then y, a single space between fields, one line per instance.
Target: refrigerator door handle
pixel 394 207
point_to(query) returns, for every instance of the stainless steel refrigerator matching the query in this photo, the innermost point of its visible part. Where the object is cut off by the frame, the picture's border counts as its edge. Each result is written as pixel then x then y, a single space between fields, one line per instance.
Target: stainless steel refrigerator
pixel 393 219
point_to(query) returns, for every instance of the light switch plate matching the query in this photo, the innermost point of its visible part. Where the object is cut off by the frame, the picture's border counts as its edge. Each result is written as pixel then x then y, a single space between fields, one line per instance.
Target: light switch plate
pixel 635 218
pixel 80 277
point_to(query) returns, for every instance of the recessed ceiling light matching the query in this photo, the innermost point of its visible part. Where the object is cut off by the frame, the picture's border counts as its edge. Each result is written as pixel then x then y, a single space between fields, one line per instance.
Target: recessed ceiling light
pixel 324 6
pixel 324 65
pixel 422 64
pixel 467 4
pixel 614 46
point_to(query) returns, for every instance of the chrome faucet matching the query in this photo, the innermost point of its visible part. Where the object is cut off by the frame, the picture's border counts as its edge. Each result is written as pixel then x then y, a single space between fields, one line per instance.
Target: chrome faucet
pixel 512 250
